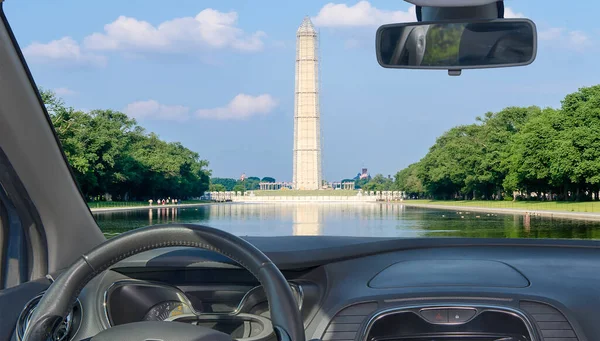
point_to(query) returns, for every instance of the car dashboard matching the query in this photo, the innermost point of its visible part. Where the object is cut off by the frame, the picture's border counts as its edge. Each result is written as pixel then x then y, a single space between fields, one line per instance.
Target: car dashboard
pixel 238 309
pixel 359 289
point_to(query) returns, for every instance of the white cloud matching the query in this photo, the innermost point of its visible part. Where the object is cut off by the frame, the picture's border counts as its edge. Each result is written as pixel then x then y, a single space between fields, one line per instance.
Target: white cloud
pixel 64 50
pixel 561 37
pixel 241 106
pixel 551 33
pixel 151 109
pixel 64 91
pixel 579 38
pixel 365 14
pixel 510 13
pixel 208 29
pixel 360 14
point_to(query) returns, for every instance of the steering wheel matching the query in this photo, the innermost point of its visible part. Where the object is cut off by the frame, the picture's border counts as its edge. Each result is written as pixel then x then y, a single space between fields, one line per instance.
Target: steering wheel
pixel 61 295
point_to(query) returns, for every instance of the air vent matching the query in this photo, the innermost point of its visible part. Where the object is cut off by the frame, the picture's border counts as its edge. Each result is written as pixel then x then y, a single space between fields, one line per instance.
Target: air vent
pixel 551 322
pixel 345 324
pixel 65 330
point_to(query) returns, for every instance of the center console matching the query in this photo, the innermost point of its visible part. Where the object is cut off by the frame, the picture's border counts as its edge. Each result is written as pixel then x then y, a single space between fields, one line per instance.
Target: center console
pixel 449 323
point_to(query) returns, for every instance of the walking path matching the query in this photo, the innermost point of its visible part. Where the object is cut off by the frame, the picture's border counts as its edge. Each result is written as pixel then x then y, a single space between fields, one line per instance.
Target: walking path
pixel 543 213
pixel 131 208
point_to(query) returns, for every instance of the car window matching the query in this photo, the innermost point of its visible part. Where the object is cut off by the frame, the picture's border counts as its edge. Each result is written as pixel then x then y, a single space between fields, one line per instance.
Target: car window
pixel 280 121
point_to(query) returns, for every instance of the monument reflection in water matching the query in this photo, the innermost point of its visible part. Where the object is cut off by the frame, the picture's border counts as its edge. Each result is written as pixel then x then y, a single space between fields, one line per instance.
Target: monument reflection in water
pixel 350 219
pixel 307 221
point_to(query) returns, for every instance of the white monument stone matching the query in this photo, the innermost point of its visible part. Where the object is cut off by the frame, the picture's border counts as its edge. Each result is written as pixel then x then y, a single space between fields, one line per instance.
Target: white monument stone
pixel 307 125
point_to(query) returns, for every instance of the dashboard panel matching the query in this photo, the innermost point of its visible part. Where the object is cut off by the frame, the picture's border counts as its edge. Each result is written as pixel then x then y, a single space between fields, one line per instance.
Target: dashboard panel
pixel 549 288
pixel 449 289
pixel 130 301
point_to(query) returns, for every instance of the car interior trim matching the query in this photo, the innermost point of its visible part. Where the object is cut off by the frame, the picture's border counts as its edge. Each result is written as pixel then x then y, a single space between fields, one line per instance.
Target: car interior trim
pixel 483 307
pixel 451 298
pixel 27 312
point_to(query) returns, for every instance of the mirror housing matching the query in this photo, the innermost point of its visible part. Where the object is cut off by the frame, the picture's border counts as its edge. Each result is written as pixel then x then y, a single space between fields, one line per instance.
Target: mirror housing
pixel 457 45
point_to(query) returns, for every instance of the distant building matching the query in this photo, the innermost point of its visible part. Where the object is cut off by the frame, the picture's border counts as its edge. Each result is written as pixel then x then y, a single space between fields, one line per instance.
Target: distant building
pixel 364 174
pixel 344 184
pixel 243 177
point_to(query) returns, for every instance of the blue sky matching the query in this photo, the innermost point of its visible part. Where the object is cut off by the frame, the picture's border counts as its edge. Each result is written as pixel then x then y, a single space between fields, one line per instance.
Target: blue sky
pixel 218 76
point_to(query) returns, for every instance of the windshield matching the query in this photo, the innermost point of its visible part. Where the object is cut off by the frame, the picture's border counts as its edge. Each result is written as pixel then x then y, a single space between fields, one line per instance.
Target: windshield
pixel 278 120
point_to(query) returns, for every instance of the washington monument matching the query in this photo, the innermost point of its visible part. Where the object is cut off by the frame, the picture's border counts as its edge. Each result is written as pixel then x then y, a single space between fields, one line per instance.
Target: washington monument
pixel 307 125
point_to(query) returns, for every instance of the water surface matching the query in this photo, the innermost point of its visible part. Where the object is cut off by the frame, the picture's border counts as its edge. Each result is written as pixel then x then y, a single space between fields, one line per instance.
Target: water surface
pixel 351 219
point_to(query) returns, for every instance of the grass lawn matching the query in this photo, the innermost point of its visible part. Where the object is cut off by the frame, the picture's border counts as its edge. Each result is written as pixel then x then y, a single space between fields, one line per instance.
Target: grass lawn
pixel 569 206
pixel 315 193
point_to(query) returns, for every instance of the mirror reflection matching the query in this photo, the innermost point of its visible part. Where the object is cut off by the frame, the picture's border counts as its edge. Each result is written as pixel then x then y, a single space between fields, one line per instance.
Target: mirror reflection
pixel 457 45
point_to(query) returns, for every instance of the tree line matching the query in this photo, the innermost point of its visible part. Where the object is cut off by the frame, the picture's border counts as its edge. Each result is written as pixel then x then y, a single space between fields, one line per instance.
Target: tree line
pixel 251 183
pixel 112 156
pixel 377 183
pixel 516 153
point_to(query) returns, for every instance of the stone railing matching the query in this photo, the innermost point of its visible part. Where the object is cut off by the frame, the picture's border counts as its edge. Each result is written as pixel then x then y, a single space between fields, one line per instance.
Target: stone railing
pixel 303 198
pixel 249 196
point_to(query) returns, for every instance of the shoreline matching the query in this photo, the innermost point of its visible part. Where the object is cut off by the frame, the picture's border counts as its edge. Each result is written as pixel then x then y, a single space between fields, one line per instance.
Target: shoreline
pixel 134 208
pixel 539 213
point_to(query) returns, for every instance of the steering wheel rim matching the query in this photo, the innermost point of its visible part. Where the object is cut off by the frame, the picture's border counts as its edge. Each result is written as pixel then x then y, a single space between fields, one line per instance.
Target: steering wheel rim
pixel 60 296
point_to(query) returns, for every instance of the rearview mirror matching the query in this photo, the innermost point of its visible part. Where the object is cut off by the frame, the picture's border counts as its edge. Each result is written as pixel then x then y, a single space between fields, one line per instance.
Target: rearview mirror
pixel 457 45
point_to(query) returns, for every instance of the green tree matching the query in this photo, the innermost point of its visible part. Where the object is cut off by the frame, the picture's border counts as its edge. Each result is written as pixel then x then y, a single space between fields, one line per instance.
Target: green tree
pixel 378 183
pixel 558 151
pixel 268 179
pixel 530 155
pixel 170 168
pixel 552 153
pixel 496 134
pixel 239 188
pixel 217 188
pixel 110 154
pixel 449 167
pixel 408 181
pixel 579 141
pixel 252 183
pixel 360 183
pixel 229 183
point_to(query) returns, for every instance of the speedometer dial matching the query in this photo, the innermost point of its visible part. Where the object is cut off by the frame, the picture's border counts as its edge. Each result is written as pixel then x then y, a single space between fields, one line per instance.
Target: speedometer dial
pixel 166 311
